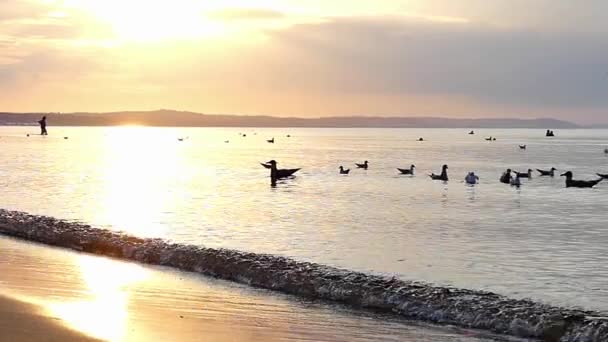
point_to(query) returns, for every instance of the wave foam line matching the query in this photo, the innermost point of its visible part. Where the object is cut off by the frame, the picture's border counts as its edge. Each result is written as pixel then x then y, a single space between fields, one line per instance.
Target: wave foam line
pixel 413 300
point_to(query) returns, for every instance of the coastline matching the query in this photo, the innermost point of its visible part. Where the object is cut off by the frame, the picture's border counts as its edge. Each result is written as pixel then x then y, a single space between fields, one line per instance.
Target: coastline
pixel 417 301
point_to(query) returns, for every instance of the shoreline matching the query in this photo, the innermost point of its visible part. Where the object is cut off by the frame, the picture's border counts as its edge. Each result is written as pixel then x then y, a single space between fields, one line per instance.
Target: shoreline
pixel 412 300
pixel 21 321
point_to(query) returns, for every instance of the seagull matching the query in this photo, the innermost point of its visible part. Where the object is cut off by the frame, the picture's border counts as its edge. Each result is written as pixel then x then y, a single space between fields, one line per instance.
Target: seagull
pixel 343 171
pixel 279 173
pixel 571 183
pixel 362 166
pixel 443 176
pixel 547 172
pixel 409 171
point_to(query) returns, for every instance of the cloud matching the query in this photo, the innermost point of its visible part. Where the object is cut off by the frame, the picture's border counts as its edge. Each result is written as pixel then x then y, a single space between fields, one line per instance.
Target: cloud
pixel 246 14
pixel 518 68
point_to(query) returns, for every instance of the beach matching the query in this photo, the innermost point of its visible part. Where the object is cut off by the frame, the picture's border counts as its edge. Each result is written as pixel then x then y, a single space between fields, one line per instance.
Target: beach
pixel 53 292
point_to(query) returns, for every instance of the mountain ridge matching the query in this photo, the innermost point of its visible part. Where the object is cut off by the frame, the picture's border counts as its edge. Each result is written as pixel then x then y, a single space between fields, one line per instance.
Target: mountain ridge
pixel 174 118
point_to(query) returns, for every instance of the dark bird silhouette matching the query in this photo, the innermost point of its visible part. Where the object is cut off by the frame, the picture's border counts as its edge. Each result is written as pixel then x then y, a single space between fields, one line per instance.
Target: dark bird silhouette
pixel 489 139
pixel 409 171
pixel 550 173
pixel 472 132
pixel 270 141
pixel 344 171
pixel 603 175
pixel 65 138
pixel 471 178
pixel 506 177
pixel 289 136
pixel 362 166
pixel 523 147
pixel 515 181
pixel 524 174
pixel 279 173
pixel 549 133
pixel 443 176
pixel 420 139
pixel 571 183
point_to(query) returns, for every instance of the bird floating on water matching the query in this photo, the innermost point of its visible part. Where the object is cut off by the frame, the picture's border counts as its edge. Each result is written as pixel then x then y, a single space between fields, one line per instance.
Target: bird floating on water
pixel 270 141
pixel 471 178
pixel 524 174
pixel 472 132
pixel 550 173
pixel 489 139
pixel 523 147
pixel 549 133
pixel 506 177
pixel 420 139
pixel 362 166
pixel 409 171
pixel 443 176
pixel 344 171
pixel 279 173
pixel 571 183
pixel 515 181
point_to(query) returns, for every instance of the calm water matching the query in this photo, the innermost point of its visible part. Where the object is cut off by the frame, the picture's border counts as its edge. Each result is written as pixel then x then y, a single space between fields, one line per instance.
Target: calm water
pixel 541 241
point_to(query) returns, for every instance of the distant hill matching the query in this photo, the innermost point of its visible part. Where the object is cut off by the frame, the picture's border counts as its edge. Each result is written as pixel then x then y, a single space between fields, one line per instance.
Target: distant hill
pixel 171 118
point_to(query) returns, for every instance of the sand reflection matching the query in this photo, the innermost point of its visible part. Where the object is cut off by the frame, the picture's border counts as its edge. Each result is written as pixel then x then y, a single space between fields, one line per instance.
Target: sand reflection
pixel 104 314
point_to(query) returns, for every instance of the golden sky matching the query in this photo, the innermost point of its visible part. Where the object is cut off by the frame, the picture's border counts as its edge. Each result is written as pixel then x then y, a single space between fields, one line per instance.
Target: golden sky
pixel 456 58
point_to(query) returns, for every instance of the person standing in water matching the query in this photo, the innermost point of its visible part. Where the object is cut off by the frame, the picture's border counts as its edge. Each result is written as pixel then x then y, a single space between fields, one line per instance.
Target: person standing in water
pixel 43 126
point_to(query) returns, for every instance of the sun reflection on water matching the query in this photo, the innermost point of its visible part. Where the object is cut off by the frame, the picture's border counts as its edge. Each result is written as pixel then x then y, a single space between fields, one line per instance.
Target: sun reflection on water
pixel 104 314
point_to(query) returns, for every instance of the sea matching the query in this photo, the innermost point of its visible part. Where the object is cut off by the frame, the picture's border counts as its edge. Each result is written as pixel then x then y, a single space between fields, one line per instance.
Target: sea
pixel 205 186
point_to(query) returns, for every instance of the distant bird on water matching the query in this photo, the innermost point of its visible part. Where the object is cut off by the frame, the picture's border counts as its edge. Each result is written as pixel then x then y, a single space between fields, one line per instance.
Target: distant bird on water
pixel 443 176
pixel 471 178
pixel 409 171
pixel 362 166
pixel 523 147
pixel 472 132
pixel 279 173
pixel 506 177
pixel 524 174
pixel 550 173
pixel 515 181
pixel 270 141
pixel 344 171
pixel 571 183
pixel 420 139
pixel 489 139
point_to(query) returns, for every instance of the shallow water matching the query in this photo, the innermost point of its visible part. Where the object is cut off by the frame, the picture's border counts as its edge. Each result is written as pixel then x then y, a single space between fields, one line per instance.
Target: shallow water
pixel 541 241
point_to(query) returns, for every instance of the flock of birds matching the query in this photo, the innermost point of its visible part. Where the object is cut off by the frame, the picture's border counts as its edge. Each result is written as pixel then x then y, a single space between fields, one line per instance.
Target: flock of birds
pixel 508 177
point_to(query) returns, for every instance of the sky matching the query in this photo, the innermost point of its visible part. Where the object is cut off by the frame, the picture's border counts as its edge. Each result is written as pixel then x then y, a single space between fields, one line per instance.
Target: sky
pixel 308 58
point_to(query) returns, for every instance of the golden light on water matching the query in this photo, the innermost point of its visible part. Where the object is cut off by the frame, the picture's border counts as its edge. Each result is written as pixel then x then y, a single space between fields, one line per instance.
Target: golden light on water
pixel 105 314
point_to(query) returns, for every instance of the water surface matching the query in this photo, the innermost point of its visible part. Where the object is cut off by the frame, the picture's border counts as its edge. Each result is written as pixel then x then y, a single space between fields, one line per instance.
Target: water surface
pixel 541 241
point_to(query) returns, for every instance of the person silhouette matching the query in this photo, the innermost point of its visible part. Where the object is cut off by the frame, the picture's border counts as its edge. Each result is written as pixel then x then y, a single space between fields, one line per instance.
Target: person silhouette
pixel 42 123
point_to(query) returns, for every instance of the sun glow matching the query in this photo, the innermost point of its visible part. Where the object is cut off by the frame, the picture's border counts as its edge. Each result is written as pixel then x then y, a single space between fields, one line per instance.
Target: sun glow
pixel 143 20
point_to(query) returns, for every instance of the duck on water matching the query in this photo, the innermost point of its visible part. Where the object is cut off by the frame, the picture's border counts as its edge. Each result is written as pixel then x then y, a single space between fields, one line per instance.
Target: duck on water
pixel 471 178
pixel 572 183
pixel 409 171
pixel 443 176
pixel 344 171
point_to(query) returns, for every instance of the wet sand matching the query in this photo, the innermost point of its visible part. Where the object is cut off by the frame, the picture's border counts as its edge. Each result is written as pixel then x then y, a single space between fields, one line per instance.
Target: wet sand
pixel 119 301
pixel 20 321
